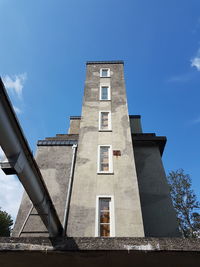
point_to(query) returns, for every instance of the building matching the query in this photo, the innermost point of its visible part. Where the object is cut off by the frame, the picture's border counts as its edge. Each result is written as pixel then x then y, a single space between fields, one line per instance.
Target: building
pixel 105 177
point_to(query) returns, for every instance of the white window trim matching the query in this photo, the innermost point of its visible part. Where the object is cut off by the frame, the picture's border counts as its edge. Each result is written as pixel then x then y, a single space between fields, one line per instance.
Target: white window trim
pixel 105 85
pixel 109 158
pixel 109 121
pixel 112 216
pixel 108 73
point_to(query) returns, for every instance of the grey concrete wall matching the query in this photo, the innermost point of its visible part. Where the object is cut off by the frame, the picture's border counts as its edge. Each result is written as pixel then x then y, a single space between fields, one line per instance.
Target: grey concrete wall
pixel 54 163
pixel 74 126
pixel 98 252
pixel 122 183
pixel 135 124
pixel 158 213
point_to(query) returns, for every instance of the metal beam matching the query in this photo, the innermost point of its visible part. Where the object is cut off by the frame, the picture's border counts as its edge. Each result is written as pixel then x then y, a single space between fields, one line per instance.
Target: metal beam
pixel 22 162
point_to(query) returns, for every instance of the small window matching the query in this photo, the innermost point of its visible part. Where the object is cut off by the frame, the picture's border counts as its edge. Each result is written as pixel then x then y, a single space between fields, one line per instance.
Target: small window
pixel 105 92
pixel 104 217
pixel 105 73
pixel 105 226
pixel 105 159
pixel 104 121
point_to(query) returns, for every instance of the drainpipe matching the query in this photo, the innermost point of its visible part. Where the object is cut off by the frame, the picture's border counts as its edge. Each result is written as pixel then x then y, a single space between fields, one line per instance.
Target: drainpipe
pixel 69 190
pixel 22 163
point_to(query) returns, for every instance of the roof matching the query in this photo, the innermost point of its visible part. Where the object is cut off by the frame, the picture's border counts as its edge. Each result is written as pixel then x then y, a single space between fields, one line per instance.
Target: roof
pixel 146 139
pixel 135 116
pixel 59 140
pixel 75 117
pixel 105 62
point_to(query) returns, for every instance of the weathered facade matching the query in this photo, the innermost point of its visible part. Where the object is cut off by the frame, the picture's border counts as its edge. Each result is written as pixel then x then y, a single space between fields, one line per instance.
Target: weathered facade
pixel 113 184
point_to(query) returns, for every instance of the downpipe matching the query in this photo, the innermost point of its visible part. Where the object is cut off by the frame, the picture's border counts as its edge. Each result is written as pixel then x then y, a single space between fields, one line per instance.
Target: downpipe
pixel 69 191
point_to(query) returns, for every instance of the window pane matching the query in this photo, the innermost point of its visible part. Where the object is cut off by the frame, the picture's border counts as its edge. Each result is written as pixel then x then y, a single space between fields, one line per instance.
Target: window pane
pixel 104 120
pixel 105 217
pixel 104 230
pixel 104 92
pixel 104 73
pixel 104 158
pixel 104 204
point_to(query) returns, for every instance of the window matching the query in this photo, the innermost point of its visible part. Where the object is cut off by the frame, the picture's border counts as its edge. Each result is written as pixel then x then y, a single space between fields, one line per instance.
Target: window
pixel 105 159
pixel 104 216
pixel 105 92
pixel 104 73
pixel 104 121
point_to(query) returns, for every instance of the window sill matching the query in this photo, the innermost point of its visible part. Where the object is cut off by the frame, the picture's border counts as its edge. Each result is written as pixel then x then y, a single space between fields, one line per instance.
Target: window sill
pixel 104 76
pixel 105 173
pixel 105 130
pixel 105 100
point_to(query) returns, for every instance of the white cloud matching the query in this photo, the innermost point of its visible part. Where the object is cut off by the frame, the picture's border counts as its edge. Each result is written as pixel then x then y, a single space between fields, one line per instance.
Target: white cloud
pixel 10 193
pixel 182 77
pixel 15 83
pixel 17 110
pixel 197 26
pixel 1 154
pixel 196 121
pixel 195 62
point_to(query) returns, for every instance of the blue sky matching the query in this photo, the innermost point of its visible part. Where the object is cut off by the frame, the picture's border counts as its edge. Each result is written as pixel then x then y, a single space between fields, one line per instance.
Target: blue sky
pixel 45 44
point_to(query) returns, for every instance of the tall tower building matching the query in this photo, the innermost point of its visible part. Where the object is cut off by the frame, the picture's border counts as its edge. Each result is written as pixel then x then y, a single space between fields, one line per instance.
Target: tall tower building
pixel 105 198
pixel 105 176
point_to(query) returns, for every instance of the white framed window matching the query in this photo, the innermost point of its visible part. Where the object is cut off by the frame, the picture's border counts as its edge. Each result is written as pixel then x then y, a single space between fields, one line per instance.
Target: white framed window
pixel 104 73
pixel 104 121
pixel 105 92
pixel 104 159
pixel 105 223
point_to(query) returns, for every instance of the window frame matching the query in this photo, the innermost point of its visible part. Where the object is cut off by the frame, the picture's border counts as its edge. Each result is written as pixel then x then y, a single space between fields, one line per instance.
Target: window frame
pixel 100 95
pixel 110 160
pixel 112 216
pixel 109 121
pixel 101 72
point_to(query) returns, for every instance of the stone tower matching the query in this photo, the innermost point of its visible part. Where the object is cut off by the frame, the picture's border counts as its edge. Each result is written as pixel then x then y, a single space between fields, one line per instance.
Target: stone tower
pixel 113 184
pixel 105 180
